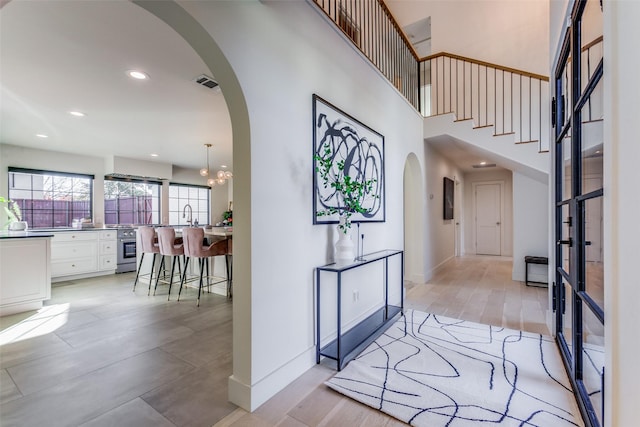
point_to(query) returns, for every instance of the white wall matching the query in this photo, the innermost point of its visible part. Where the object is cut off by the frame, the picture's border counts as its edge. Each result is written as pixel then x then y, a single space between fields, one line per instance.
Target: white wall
pixel 621 212
pixel 282 53
pixel 476 29
pixel 415 201
pixel 440 241
pixel 530 226
pixel 220 194
pixel 22 157
pixel 504 176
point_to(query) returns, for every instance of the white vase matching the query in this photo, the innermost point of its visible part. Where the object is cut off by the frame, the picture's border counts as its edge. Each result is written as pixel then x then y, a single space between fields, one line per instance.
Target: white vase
pixel 18 226
pixel 344 248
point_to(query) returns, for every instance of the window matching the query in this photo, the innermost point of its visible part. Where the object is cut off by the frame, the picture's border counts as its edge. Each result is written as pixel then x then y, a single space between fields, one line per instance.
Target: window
pixel 197 197
pixel 51 199
pixel 128 201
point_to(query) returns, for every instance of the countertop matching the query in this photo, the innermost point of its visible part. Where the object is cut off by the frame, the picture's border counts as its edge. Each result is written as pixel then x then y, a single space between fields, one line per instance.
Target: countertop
pixel 24 234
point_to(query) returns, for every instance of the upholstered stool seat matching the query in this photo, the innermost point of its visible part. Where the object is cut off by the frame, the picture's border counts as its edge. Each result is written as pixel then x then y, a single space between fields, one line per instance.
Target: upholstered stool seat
pixel 148 245
pixel 193 248
pixel 169 247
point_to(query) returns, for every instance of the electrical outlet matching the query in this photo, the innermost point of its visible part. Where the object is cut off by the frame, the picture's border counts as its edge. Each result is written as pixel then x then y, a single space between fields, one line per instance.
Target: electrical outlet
pixel 356 295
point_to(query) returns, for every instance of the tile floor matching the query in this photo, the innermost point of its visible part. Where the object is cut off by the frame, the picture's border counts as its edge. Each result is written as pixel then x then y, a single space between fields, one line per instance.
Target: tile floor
pixel 102 355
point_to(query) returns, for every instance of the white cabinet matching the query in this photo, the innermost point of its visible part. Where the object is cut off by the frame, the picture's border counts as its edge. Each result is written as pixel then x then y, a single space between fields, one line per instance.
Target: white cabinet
pixel 25 274
pixel 85 253
pixel 108 251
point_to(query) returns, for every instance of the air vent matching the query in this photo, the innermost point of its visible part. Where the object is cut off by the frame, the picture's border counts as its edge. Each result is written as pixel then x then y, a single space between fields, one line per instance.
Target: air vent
pixel 489 165
pixel 206 81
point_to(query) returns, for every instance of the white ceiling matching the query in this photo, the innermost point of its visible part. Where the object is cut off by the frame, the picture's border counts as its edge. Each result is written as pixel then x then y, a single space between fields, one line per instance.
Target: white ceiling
pixel 58 56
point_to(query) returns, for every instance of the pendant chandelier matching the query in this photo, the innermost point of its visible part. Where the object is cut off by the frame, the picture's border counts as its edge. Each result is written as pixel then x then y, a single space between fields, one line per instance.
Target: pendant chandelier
pixel 219 178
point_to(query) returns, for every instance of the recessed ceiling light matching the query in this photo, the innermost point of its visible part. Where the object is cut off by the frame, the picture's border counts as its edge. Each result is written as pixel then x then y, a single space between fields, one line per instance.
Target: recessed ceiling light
pixel 597 151
pixel 154 155
pixel 483 163
pixel 42 135
pixel 138 75
pixel 223 166
pixel 77 113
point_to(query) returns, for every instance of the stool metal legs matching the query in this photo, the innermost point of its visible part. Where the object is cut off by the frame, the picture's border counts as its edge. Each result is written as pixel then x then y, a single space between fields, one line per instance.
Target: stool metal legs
pixel 153 263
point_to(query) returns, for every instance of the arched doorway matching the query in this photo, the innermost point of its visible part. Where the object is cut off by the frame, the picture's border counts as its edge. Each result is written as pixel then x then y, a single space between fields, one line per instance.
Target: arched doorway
pixel 205 46
pixel 413 189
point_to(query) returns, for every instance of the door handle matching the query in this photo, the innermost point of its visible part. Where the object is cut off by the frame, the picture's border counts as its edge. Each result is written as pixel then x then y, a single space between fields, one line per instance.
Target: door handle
pixel 587 242
pixel 497 223
pixel 565 242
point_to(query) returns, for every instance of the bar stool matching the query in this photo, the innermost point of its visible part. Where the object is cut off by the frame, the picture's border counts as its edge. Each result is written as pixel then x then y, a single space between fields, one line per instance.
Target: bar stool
pixel 172 247
pixel 193 248
pixel 149 245
pixel 229 264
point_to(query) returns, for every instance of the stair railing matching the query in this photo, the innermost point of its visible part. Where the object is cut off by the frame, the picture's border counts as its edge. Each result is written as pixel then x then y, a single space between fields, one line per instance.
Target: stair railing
pixel 373 30
pixel 511 101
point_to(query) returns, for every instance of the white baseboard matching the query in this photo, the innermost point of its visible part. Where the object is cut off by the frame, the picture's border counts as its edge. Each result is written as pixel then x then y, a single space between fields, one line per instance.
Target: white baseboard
pixel 438 267
pixel 415 278
pixel 250 397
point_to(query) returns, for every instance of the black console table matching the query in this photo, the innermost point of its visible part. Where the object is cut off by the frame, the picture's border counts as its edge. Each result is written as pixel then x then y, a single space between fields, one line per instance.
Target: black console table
pixel 347 345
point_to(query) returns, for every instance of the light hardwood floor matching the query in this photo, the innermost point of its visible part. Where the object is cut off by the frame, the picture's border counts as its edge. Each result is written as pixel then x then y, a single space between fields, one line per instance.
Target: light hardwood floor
pixel 101 355
pixel 472 288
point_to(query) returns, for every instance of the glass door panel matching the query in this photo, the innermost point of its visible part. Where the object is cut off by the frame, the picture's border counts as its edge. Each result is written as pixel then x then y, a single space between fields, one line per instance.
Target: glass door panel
pixel 593 359
pixel 567 317
pixel 563 244
pixel 590 40
pixel 578 170
pixel 594 255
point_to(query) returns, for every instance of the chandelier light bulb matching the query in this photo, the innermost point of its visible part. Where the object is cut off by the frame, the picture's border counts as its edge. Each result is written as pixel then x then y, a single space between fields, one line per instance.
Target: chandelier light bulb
pixel 211 182
pixel 220 181
pixel 228 175
pixel 221 175
pixel 204 172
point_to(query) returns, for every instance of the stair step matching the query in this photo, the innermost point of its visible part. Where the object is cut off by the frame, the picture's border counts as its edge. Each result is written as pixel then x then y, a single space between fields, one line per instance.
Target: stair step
pixel 503 134
pixel 482 127
pixel 440 114
pixel 527 142
pixel 463 120
pixel 543 151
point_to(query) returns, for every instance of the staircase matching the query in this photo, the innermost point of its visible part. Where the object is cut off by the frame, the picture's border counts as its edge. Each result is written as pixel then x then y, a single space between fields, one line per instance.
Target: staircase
pixel 498 111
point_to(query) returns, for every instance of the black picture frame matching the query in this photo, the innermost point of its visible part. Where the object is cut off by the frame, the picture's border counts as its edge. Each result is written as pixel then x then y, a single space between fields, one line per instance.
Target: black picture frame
pixel 362 149
pixel 447 205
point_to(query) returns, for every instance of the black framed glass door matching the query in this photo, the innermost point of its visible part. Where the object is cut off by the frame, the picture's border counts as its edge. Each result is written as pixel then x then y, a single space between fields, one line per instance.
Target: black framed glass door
pixel 578 169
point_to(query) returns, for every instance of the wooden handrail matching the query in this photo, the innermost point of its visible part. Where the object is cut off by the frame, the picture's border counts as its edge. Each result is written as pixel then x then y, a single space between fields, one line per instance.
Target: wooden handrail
pixel 486 64
pixel 591 44
pixel 399 30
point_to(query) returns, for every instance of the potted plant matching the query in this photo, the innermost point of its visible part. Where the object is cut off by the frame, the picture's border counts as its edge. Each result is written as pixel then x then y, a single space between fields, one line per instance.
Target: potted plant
pixel 227 218
pixel 12 210
pixel 351 192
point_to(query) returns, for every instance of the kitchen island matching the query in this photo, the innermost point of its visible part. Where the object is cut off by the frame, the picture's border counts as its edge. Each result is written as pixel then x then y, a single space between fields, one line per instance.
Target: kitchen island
pixel 25 270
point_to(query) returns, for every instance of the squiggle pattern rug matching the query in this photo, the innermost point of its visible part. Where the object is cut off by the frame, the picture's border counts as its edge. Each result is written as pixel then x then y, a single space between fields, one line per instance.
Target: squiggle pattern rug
pixel 433 371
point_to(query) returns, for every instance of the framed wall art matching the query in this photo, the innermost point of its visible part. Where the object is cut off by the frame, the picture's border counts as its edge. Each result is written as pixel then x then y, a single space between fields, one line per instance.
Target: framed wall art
pixel 349 150
pixel 447 212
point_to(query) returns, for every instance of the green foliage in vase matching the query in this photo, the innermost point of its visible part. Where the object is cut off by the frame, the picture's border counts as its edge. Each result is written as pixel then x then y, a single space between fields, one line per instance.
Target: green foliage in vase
pixel 351 192
pixel 227 217
pixel 12 210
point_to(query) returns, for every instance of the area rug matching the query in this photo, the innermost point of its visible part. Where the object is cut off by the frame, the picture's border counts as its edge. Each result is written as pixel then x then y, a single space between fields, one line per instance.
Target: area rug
pixel 429 370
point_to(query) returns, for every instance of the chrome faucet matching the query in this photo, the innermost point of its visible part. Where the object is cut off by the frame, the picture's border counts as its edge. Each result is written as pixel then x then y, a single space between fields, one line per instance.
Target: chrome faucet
pixel 190 217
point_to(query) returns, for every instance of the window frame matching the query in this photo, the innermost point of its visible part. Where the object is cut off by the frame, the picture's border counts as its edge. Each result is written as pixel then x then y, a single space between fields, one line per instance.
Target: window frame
pixel 179 184
pixel 158 213
pixel 52 173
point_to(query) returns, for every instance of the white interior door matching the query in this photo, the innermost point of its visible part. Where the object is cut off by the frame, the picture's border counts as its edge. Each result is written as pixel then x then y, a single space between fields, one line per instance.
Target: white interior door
pixel 488 208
